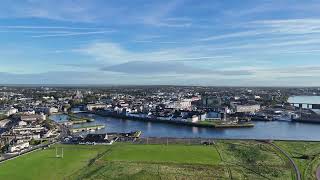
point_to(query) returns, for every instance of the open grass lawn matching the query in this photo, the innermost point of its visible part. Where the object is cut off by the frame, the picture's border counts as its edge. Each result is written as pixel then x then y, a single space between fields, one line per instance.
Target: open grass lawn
pixel 305 154
pixel 151 171
pixel 253 160
pixel 127 161
pixel 236 159
pixel 163 153
pixel 43 164
pixel 118 161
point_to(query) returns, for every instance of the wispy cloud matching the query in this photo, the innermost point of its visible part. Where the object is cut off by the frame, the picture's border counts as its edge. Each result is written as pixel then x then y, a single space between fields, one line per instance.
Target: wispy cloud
pixel 169 67
pixel 198 42
pixel 115 53
pixel 160 16
pixel 50 27
pixel 289 26
pixel 156 42
pixel 236 35
pixel 72 34
pixel 152 13
pixel 54 31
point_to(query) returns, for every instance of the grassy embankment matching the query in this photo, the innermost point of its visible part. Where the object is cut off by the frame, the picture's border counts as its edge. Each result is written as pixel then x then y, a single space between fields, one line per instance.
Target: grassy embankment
pixel 305 154
pixel 226 159
pixel 253 160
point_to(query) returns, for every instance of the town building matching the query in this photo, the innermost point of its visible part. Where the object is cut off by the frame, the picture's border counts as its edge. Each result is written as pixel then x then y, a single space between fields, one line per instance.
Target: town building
pixel 17 147
pixel 246 108
pixel 91 107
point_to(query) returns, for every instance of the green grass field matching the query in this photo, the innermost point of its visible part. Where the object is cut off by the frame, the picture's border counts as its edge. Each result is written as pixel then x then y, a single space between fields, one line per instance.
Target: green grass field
pixel 253 160
pixel 43 164
pixel 226 159
pixel 126 161
pixel 305 154
pixel 163 153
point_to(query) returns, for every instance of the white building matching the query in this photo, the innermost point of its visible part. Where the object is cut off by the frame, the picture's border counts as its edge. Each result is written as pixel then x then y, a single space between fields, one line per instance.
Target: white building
pixel 28 130
pixel 18 147
pixel 183 104
pixel 49 134
pixel 9 111
pixel 31 118
pixel 247 108
pixel 194 119
pixel 22 123
pixel 91 107
pixel 51 110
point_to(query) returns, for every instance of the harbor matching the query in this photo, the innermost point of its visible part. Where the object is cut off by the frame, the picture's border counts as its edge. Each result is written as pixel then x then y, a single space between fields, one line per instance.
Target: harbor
pixel 279 130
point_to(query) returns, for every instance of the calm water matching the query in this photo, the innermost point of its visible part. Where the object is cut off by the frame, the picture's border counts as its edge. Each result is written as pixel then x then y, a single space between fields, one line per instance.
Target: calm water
pixel 262 130
pixel 305 99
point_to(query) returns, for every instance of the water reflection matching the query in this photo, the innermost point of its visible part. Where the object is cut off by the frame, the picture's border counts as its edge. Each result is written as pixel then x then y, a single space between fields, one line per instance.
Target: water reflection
pixel 195 130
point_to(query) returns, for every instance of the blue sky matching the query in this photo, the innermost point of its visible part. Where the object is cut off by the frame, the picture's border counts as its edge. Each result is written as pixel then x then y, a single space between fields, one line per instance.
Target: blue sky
pixel 178 42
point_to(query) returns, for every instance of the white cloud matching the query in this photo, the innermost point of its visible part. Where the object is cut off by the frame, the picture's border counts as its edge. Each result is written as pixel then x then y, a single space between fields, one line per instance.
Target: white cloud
pixel 72 34
pixel 283 27
pixel 48 9
pixel 114 53
pixel 236 35
pixel 289 26
pixel 50 27
pixel 152 13
pixel 160 16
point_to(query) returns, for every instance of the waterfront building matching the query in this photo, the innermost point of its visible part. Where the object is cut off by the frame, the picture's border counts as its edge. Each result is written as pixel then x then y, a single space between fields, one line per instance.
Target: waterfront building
pixel 91 107
pixel 246 108
pixel 211 116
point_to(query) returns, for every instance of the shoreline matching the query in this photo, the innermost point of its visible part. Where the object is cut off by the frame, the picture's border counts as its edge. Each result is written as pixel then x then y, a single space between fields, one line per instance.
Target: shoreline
pixel 218 126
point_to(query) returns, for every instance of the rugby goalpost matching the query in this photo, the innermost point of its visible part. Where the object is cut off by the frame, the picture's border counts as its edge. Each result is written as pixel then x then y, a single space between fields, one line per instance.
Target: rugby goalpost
pixel 59 154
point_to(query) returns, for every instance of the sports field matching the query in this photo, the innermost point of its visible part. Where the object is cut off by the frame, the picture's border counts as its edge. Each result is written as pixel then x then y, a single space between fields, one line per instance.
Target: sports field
pixel 43 164
pixel 165 154
pixel 225 160
pixel 125 161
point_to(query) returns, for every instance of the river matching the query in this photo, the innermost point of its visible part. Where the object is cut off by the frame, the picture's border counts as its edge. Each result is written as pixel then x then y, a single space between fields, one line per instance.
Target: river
pixel 304 99
pixel 280 130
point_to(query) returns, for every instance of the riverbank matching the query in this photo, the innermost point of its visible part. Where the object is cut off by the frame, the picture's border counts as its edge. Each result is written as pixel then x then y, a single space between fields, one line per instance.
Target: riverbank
pixel 200 124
